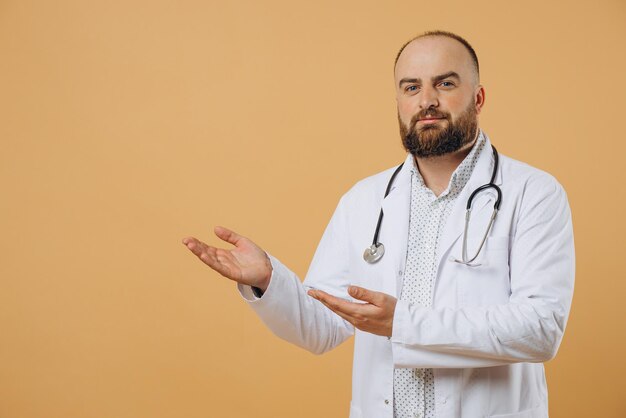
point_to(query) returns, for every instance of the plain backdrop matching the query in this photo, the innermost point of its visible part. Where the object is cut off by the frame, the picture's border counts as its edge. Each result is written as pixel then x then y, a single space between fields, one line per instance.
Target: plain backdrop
pixel 128 125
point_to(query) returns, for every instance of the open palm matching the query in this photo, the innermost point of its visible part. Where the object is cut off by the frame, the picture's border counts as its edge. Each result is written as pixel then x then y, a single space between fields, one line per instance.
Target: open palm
pixel 247 263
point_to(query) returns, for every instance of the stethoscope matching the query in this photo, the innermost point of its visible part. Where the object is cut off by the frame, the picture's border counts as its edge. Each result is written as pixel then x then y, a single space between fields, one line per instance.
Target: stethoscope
pixel 375 252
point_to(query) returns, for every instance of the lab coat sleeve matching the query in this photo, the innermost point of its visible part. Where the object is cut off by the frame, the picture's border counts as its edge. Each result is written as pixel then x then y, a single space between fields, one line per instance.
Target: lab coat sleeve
pixel 293 315
pixel 528 328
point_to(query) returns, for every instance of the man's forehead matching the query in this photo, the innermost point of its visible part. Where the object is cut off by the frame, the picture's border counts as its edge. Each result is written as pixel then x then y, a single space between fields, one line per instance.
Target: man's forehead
pixel 433 55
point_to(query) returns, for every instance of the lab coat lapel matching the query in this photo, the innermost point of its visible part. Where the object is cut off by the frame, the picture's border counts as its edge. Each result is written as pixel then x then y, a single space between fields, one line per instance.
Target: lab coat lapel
pixel 394 232
pixel 482 202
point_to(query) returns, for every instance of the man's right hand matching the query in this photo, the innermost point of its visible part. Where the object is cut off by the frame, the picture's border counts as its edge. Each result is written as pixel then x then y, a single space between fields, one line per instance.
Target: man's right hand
pixel 247 263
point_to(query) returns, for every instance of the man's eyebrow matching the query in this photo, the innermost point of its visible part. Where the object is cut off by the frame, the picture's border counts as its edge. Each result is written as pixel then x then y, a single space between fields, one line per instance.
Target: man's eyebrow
pixel 443 76
pixel 409 80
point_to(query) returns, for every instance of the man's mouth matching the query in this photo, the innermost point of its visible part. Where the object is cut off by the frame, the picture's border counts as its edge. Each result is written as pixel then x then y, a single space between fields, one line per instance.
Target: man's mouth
pixel 429 120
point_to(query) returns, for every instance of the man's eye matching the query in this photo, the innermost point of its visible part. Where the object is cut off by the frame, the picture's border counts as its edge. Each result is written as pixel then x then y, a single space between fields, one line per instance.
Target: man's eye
pixel 446 84
pixel 411 88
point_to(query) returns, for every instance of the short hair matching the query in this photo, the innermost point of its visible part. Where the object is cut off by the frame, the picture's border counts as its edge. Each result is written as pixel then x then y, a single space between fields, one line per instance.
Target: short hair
pixel 447 35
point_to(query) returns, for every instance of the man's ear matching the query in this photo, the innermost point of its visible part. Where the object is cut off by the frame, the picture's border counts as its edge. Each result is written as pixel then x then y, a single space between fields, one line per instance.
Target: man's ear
pixel 479 98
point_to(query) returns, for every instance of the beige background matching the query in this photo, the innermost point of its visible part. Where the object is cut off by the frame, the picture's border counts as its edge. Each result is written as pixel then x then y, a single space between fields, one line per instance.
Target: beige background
pixel 127 125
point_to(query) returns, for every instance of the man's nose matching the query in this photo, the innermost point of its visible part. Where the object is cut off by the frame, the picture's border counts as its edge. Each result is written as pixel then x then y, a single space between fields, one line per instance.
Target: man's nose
pixel 429 98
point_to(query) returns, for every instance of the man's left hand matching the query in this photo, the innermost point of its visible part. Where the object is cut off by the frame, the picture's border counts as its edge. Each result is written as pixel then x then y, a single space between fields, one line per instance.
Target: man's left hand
pixel 375 316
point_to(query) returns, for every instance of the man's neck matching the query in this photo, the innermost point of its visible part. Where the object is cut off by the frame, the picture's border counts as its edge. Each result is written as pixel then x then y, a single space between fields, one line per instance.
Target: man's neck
pixel 437 171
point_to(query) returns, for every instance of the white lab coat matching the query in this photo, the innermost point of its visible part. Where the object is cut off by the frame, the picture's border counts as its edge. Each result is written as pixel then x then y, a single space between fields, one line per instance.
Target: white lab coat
pixel 490 327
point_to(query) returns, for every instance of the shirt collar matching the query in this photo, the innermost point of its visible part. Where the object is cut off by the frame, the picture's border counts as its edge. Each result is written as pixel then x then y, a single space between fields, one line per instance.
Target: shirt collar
pixel 461 174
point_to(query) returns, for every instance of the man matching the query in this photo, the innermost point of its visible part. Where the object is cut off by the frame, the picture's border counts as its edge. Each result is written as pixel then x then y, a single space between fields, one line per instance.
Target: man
pixel 439 331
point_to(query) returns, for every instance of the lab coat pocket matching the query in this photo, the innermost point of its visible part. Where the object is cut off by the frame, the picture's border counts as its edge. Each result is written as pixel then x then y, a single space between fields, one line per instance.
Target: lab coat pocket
pixel 486 282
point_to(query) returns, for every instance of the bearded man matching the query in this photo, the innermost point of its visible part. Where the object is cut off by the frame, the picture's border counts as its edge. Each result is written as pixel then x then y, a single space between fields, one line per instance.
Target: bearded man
pixel 455 314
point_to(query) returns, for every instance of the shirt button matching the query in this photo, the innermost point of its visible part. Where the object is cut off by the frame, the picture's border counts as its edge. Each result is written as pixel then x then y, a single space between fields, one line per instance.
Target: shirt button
pixel 386 401
pixel 418 414
pixel 399 272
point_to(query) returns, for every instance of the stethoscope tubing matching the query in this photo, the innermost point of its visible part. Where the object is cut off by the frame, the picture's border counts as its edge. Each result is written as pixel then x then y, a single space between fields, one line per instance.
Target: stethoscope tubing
pixel 375 252
pixel 380 216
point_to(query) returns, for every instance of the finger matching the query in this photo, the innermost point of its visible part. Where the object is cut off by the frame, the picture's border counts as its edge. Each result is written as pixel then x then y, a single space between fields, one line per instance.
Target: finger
pixel 220 261
pixel 361 293
pixel 189 240
pixel 336 304
pixel 206 253
pixel 203 251
pixel 227 235
pixel 344 316
pixel 196 246
pixel 199 248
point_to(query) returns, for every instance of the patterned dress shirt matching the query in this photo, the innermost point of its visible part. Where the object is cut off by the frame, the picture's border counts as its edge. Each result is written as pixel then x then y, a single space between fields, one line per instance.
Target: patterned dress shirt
pixel 414 389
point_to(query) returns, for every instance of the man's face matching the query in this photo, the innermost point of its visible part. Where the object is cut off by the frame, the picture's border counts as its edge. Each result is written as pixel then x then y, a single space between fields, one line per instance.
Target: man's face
pixel 438 96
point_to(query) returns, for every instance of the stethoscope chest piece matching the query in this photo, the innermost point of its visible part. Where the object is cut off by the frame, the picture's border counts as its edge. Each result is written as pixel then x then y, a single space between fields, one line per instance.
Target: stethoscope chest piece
pixel 373 253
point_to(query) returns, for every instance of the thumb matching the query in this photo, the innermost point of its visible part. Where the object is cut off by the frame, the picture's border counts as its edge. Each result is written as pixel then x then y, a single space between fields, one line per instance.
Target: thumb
pixel 364 294
pixel 227 235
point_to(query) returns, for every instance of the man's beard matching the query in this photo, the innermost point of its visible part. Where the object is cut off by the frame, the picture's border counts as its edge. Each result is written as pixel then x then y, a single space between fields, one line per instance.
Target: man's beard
pixel 433 140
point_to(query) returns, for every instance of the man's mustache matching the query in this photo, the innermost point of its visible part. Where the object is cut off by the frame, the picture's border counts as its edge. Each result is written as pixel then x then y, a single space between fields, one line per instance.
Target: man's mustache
pixel 427 114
